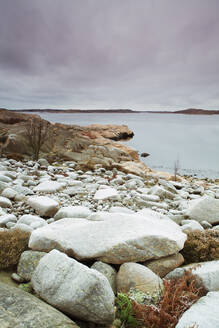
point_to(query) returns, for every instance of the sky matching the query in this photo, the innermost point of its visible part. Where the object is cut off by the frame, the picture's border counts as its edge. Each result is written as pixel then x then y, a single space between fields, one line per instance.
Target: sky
pixel 95 54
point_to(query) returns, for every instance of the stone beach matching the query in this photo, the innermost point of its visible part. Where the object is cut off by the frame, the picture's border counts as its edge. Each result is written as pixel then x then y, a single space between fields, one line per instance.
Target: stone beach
pixel 106 217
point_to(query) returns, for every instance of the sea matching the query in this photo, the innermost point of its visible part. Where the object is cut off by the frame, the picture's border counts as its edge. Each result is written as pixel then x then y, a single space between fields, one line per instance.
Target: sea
pixel 189 141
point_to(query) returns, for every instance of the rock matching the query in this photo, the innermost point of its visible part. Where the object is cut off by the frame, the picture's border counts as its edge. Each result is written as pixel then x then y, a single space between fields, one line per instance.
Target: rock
pixel 73 288
pixel 4 178
pixel 27 264
pixel 9 193
pixel 164 265
pixel 206 225
pixel 20 309
pixel 43 205
pixel 203 314
pixel 17 278
pixel 145 154
pixel 191 225
pixel 108 271
pixel 114 238
pixel 3 185
pixel 48 187
pixel 161 192
pixel 137 276
pixel 22 227
pixel 72 212
pixel 43 162
pixel 206 273
pixel 120 209
pixel 5 202
pixel 23 190
pixel 106 193
pixel 7 218
pixel 33 221
pixel 204 208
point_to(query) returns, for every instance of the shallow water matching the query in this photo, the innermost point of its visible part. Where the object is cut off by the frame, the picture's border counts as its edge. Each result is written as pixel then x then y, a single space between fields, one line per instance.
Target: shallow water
pixel 191 139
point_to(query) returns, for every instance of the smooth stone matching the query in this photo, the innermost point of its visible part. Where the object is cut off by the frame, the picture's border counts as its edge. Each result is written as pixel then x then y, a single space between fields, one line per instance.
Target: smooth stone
pixel 23 190
pixel 48 186
pixel 165 265
pixel 161 192
pixel 33 221
pixel 9 193
pixel 204 208
pixel 191 225
pixel 72 212
pixel 203 314
pixel 206 273
pixel 4 178
pixel 22 227
pixel 108 271
pixel 6 219
pixel 206 225
pixel 73 288
pixel 5 202
pixel 17 278
pixel 137 276
pixel 106 193
pixel 114 238
pixel 19 309
pixel 27 264
pixel 43 205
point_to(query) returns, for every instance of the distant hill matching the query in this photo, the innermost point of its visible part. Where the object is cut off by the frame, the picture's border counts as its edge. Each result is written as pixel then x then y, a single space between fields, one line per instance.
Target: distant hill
pixel 189 111
pixel 194 111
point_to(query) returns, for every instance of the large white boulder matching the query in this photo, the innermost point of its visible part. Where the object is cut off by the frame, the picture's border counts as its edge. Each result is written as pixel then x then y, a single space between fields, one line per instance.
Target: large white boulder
pixel 204 208
pixel 206 273
pixel 73 288
pixel 72 212
pixel 48 186
pixel 112 238
pixel 203 314
pixel 43 205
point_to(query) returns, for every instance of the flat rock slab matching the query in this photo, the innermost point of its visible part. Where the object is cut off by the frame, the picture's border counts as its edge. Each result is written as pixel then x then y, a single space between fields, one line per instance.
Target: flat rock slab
pixel 73 288
pixel 203 314
pixel 113 238
pixel 204 208
pixel 19 309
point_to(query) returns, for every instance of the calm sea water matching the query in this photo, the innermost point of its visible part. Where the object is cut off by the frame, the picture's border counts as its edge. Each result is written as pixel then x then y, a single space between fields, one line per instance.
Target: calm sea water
pixel 193 140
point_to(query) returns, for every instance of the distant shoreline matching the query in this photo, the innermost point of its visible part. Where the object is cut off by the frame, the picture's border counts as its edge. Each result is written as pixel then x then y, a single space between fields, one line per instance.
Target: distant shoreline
pixel 190 111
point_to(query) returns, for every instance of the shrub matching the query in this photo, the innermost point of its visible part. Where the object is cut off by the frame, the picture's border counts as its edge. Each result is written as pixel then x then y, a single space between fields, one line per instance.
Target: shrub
pixel 12 244
pixel 178 295
pixel 125 312
pixel 37 132
pixel 201 246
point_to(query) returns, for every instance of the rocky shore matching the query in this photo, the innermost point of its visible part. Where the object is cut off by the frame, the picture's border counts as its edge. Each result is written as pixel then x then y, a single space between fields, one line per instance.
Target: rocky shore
pixel 89 223
pixel 95 233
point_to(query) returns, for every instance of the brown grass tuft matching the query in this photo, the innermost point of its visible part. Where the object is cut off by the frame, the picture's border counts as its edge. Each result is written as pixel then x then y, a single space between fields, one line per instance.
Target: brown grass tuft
pixel 179 294
pixel 201 246
pixel 12 244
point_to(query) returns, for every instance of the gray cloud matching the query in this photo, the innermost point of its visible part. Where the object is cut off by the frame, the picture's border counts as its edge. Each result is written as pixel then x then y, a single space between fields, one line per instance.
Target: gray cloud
pixel 154 54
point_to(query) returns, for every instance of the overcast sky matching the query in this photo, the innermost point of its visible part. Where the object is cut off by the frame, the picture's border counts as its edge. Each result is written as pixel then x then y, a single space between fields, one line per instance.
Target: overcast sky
pixel 139 54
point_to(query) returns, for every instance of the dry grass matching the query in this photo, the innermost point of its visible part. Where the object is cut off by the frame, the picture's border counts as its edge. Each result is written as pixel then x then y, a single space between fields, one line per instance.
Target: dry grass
pixel 12 244
pixel 179 294
pixel 201 246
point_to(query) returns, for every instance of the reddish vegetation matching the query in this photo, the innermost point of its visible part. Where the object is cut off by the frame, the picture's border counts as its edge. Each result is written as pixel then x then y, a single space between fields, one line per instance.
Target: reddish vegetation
pixel 179 294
